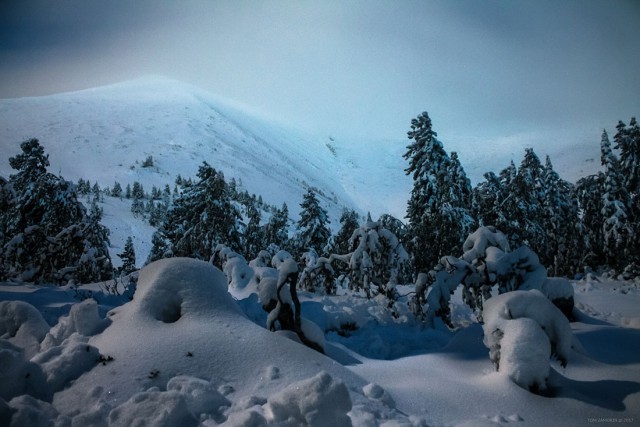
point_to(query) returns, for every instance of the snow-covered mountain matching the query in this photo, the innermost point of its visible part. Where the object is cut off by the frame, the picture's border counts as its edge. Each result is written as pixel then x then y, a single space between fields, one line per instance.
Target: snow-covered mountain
pixel 105 134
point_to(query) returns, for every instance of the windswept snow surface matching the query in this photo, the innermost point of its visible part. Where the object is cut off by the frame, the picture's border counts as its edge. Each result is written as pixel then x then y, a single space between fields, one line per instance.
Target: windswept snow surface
pixel 184 352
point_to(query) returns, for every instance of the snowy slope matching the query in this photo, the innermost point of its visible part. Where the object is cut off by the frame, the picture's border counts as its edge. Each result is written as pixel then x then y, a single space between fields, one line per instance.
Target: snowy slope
pixel 106 133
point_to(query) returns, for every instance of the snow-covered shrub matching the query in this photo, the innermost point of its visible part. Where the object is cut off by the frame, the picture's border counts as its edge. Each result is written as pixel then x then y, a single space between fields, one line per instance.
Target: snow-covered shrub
pixel 488 262
pixel 522 330
pixel 287 309
pixel 317 273
pixel 445 278
pixel 376 259
pixel 234 266
pixel 317 401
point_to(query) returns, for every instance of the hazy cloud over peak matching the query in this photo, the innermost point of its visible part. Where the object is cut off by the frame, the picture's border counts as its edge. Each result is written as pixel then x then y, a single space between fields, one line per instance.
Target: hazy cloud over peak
pixel 486 69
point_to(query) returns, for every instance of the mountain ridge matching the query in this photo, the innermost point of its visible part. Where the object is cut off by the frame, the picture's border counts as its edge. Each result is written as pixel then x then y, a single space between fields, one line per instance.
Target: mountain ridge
pixel 104 134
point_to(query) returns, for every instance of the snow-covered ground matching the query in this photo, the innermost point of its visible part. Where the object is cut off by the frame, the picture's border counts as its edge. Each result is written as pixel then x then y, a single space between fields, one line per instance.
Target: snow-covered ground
pixel 184 352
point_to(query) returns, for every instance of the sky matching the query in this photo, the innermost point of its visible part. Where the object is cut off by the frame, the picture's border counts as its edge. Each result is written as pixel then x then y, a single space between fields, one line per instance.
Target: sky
pixel 484 70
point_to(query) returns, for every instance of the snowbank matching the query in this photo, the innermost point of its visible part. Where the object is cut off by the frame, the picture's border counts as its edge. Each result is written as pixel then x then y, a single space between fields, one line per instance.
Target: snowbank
pixel 180 343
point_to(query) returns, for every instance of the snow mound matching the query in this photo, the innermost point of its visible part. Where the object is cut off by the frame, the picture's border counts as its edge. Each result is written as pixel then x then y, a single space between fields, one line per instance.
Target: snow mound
pixel 22 325
pixel 184 346
pixel 19 376
pixel 522 330
pixel 29 411
pixel 317 401
pixel 375 392
pixel 83 319
pixel 66 362
pixel 153 408
pixel 173 288
pixel 524 353
pixel 200 395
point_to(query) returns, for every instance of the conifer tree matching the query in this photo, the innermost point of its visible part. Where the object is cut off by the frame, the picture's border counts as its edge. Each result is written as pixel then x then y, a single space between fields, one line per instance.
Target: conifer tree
pixel 560 221
pixel 128 257
pixel 438 208
pixel 349 222
pixel 627 141
pixel 313 232
pixel 116 191
pixel 589 192
pixel 617 229
pixel 200 218
pixel 253 236
pixel 528 210
pixel 277 230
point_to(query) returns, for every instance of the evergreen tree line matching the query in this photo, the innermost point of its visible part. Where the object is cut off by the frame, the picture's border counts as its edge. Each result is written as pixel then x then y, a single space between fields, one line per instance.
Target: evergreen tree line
pixel 594 224
pixel 208 213
pixel 47 235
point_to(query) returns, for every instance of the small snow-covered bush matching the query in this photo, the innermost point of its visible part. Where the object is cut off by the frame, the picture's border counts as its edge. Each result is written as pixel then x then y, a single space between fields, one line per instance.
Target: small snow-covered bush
pixel 376 259
pixel 522 330
pixel 487 262
pixel 317 401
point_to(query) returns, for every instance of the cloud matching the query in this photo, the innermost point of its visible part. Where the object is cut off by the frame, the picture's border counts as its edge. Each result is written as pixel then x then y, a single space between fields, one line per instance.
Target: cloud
pixel 487 69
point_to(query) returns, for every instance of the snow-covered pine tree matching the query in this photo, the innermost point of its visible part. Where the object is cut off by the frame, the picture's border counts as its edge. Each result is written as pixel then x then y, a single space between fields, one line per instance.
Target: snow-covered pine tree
pixel 617 228
pixel 276 230
pixel 128 257
pixel 561 224
pixel 116 191
pixel 137 191
pixel 627 141
pixel 48 236
pixel 253 236
pixel 349 222
pixel 159 248
pixel 528 213
pixel 200 218
pixel 313 232
pixel 487 198
pixel 438 206
pixel 589 191
pixel 95 261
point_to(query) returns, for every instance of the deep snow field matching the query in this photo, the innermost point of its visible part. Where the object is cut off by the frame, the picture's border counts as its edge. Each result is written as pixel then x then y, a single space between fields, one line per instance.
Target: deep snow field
pixel 185 352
